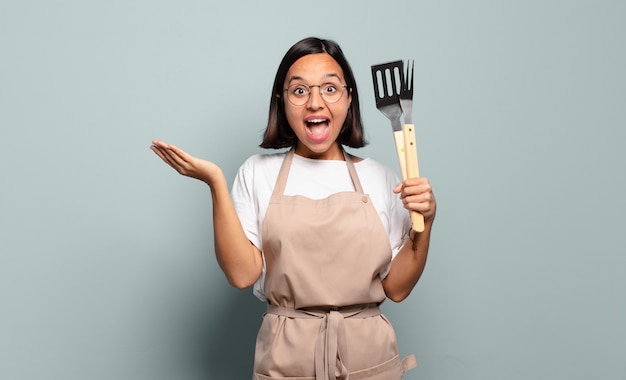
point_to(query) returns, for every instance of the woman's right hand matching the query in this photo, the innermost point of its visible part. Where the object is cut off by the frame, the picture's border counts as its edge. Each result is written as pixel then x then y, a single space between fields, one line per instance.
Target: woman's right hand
pixel 186 164
pixel 240 260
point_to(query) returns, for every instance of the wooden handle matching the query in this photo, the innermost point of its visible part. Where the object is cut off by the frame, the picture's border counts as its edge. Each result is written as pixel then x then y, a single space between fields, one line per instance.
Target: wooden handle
pixel 398 136
pixel 412 170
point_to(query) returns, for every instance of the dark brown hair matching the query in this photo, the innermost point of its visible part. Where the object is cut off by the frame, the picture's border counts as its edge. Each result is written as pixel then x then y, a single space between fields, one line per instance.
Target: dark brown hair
pixel 278 134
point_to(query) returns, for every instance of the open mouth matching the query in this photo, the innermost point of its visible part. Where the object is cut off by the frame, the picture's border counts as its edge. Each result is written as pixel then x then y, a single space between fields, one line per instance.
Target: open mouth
pixel 318 128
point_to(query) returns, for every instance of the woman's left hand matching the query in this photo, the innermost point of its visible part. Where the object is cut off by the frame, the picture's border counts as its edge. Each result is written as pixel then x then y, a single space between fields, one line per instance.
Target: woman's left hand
pixel 417 195
pixel 186 164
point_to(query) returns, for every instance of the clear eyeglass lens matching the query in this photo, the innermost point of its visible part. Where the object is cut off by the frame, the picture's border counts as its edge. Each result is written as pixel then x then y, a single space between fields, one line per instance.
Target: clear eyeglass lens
pixel 299 94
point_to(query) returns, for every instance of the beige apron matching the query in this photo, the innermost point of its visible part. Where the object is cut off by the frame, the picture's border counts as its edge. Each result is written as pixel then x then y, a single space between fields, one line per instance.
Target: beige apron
pixel 323 259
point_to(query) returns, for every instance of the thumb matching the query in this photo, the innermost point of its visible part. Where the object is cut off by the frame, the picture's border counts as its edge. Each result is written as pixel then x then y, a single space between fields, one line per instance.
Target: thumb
pixel 398 188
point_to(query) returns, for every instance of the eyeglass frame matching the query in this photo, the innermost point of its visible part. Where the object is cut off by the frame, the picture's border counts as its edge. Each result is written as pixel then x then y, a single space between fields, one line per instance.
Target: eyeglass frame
pixel 309 86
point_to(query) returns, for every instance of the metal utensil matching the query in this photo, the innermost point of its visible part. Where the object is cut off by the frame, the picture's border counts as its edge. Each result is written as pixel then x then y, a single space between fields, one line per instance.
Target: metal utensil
pixel 387 79
pixel 410 148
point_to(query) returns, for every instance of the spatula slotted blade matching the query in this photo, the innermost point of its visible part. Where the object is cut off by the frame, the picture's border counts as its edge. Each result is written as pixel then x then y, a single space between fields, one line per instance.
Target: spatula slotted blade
pixel 387 79
pixel 387 85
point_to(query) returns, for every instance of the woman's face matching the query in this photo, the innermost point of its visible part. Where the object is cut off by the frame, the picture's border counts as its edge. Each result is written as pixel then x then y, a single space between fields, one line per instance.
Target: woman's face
pixel 316 123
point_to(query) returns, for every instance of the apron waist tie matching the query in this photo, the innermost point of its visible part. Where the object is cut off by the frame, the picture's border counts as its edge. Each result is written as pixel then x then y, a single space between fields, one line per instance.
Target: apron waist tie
pixel 331 358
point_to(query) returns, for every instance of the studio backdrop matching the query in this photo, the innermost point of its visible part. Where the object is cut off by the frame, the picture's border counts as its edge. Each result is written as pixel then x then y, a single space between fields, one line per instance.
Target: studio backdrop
pixel 107 265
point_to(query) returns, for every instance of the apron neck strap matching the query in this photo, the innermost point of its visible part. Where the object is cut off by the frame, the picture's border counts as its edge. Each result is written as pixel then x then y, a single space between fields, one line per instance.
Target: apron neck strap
pixel 352 171
pixel 281 181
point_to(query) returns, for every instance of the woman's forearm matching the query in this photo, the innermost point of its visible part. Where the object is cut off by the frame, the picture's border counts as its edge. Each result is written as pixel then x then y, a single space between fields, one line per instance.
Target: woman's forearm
pixel 239 259
pixel 408 265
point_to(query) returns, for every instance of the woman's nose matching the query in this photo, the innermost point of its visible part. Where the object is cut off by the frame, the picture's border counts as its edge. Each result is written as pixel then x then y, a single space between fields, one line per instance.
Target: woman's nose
pixel 315 100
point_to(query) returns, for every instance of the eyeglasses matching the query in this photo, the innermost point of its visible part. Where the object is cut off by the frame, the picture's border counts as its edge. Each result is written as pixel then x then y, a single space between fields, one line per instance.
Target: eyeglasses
pixel 298 94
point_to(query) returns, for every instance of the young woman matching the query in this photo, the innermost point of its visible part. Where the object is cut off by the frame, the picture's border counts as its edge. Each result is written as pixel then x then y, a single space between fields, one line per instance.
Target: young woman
pixel 322 235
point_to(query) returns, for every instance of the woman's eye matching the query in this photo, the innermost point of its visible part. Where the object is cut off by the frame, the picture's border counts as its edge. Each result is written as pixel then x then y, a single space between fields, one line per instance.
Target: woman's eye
pixel 330 88
pixel 299 91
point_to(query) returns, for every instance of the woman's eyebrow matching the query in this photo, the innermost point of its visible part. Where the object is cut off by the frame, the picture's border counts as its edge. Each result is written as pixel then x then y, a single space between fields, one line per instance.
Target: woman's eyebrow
pixel 299 78
pixel 295 77
pixel 333 75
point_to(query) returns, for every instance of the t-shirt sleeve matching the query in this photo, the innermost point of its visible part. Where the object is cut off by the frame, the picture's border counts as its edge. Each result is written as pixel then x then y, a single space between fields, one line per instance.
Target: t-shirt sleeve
pixel 399 220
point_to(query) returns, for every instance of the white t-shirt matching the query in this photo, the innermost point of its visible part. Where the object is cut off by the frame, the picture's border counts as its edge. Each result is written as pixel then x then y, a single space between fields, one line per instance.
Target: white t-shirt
pixel 315 179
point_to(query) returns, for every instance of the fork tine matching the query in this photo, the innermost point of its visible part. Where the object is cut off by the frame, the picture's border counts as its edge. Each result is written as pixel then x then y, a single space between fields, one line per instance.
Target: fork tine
pixel 406 93
pixel 412 75
pixel 408 71
pixel 405 69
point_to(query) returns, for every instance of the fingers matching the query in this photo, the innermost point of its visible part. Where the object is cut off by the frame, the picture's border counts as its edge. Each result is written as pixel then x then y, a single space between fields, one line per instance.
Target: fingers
pixel 171 155
pixel 417 195
pixel 171 150
pixel 415 186
pixel 177 156
pixel 161 152
pixel 184 163
pixel 410 182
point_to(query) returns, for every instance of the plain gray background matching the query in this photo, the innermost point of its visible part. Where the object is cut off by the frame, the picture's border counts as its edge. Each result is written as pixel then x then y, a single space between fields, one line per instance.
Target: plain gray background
pixel 107 268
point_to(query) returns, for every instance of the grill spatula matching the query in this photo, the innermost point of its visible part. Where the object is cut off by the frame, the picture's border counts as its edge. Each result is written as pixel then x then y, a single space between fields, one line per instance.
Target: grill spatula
pixel 393 91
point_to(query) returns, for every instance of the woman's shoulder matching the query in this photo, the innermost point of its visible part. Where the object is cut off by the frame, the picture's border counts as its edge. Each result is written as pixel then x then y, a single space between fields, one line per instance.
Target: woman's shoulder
pixel 259 171
pixel 376 173
pixel 264 160
pixel 261 165
pixel 372 164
